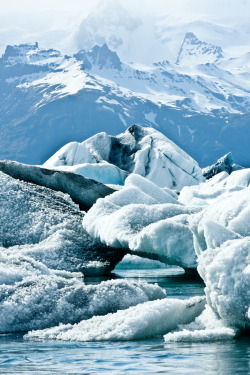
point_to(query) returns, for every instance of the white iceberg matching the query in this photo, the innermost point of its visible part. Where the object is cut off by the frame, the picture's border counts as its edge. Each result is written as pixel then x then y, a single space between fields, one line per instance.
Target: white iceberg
pixel 144 151
pixel 213 190
pixel 39 302
pixel 145 219
pixel 142 321
pixel 226 273
pixel 206 327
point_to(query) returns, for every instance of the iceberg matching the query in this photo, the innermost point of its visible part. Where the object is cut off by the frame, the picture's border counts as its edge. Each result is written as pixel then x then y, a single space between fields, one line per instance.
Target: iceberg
pixel 145 219
pixel 103 172
pixel 83 191
pixel 44 300
pixel 45 225
pixel 226 272
pixel 144 151
pixel 213 190
pixel 206 327
pixel 224 164
pixel 142 321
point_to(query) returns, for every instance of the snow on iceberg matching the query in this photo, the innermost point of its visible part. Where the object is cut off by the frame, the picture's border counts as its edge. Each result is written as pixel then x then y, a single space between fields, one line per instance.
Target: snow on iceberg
pixel 142 321
pixel 231 211
pixel 144 151
pixel 145 219
pixel 46 226
pixel 83 191
pixel 46 300
pixel 214 189
pixel 226 273
pixel 206 327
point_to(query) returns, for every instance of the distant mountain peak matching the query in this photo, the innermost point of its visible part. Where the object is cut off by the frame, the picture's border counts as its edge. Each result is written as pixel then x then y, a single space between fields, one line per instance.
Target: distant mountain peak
pixel 100 57
pixel 28 53
pixel 194 51
pixel 109 23
pixel 17 50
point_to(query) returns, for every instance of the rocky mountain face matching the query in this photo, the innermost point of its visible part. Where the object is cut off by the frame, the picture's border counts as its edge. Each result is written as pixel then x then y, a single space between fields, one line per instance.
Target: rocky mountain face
pixel 100 57
pixel 48 100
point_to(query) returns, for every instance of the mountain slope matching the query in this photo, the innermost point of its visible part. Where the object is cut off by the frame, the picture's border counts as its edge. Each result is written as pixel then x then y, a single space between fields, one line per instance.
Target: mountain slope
pixel 48 100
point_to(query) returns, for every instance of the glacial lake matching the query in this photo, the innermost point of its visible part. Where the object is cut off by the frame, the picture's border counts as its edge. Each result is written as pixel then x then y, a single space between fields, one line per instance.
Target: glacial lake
pixel 152 356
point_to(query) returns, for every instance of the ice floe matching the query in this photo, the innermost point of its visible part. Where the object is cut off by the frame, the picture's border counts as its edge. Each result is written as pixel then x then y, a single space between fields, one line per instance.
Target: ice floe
pixel 46 300
pixel 142 321
pixel 206 327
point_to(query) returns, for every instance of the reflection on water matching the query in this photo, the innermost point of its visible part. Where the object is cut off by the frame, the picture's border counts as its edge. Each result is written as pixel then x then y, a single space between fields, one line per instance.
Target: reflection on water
pixel 152 356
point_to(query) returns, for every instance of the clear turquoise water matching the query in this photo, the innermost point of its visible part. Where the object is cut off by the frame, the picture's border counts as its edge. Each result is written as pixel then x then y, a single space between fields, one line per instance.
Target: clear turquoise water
pixel 152 356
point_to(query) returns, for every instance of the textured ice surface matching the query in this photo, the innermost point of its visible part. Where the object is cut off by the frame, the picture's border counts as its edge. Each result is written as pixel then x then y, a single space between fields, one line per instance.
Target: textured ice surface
pixel 142 321
pixel 226 273
pixel 44 300
pixel 136 262
pixel 47 226
pixel 219 186
pixel 145 219
pixel 231 211
pixel 82 190
pixel 222 241
pixel 206 327
pixel 144 151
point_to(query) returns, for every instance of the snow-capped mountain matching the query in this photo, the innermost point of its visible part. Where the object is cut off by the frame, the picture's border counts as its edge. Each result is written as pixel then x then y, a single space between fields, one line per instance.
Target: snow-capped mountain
pixel 194 52
pixel 148 35
pixel 49 99
pixel 99 57
pixel 107 24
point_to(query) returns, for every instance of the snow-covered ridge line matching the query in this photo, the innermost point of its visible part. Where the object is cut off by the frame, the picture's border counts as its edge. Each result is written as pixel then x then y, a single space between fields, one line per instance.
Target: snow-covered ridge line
pixel 197 106
pixel 169 84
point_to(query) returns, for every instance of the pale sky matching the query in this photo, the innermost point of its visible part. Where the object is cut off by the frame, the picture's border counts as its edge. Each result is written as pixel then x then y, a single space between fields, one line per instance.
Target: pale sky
pixel 231 8
pixel 50 22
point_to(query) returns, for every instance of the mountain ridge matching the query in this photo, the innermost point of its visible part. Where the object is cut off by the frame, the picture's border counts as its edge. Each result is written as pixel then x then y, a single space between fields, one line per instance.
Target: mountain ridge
pixel 51 99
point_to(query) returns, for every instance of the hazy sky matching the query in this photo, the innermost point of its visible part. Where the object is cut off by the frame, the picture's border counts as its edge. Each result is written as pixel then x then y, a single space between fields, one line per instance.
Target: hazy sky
pixel 50 22
pixel 211 8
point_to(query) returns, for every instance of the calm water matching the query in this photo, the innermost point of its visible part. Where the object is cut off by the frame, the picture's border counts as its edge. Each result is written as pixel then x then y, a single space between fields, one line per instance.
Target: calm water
pixel 152 356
